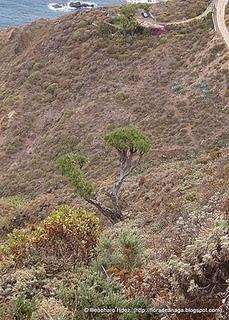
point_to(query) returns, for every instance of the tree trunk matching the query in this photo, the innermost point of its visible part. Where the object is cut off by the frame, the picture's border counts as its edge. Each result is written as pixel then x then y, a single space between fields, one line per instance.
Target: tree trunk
pixel 112 214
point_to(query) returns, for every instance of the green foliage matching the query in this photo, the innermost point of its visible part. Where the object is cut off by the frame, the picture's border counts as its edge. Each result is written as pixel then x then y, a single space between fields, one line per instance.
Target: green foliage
pixel 16 201
pixel 106 29
pixel 97 288
pixel 94 288
pixel 67 234
pixel 99 291
pixel 128 10
pixel 125 251
pixel 70 160
pixel 128 139
pixel 124 23
pixel 223 224
pixel 23 308
pixel 16 239
pixel 70 165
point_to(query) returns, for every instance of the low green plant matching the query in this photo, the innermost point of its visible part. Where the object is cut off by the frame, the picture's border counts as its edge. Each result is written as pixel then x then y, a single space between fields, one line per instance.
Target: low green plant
pixel 97 290
pixel 23 308
pixel 16 201
pixel 125 251
pixel 17 240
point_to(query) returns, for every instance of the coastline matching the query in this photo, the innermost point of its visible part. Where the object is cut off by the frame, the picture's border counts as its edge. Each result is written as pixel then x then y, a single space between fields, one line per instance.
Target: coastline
pixel 63 14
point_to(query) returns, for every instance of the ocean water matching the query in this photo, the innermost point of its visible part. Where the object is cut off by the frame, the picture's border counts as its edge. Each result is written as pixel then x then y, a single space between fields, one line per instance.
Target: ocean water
pixel 20 12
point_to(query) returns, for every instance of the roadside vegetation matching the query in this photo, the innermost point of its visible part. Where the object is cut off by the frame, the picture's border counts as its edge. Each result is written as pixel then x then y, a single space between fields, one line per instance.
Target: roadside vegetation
pixel 123 22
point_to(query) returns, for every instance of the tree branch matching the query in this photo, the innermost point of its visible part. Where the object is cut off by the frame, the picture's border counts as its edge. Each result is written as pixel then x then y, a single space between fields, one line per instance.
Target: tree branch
pixel 113 215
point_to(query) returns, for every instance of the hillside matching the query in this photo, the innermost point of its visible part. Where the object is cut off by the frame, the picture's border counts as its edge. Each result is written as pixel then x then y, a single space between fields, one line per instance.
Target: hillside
pixel 63 84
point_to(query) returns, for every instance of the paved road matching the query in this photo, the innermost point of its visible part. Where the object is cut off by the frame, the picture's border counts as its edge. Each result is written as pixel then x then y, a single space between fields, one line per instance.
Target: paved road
pixel 217 7
pixel 219 19
pixel 147 22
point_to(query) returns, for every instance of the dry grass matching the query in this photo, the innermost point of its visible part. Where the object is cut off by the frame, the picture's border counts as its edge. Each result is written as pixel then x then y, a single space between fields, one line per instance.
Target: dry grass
pixel 62 85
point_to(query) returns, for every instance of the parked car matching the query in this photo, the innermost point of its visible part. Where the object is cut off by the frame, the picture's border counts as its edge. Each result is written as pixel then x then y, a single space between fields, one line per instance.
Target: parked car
pixel 145 14
pixel 157 29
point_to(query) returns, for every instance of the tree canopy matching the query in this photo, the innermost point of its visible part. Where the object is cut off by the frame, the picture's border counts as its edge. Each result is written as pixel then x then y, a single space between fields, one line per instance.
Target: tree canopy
pixel 70 166
pixel 131 145
pixel 128 139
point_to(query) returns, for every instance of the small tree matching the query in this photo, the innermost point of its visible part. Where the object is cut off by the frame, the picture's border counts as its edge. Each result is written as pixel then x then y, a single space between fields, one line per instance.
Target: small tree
pixel 131 144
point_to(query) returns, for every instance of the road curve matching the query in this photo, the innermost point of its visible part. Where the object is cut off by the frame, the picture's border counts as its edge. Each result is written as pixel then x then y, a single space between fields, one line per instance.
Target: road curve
pixel 148 22
pixel 217 7
pixel 218 17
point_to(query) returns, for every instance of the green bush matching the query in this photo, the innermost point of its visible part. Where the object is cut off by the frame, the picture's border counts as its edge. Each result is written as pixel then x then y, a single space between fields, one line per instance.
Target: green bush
pixel 124 24
pixel 23 308
pixel 15 201
pixel 99 291
pixel 68 234
pixel 125 251
pixel 98 288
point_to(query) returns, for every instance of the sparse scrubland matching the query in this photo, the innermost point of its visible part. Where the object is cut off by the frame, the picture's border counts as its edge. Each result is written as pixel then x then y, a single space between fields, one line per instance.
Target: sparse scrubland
pixel 67 84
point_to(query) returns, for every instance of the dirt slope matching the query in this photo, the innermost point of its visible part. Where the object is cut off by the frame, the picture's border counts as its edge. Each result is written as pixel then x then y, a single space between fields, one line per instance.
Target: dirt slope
pixel 62 85
pixel 58 82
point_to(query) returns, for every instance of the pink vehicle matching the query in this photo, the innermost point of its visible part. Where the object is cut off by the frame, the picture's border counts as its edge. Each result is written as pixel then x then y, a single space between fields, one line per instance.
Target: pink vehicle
pixel 157 29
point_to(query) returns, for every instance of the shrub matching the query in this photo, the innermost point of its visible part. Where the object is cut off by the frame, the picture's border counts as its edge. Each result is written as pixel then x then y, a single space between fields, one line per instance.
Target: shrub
pixel 202 270
pixel 99 291
pixel 115 280
pixel 68 234
pixel 17 241
pixel 50 309
pixel 124 23
pixel 106 29
pixel 16 201
pixel 23 308
pixel 128 10
pixel 125 251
